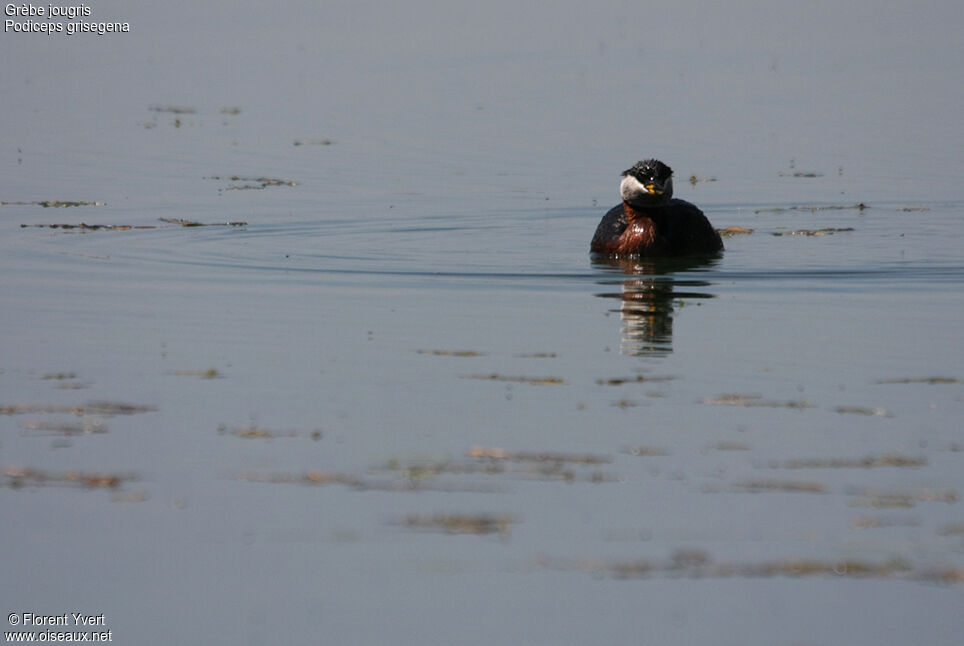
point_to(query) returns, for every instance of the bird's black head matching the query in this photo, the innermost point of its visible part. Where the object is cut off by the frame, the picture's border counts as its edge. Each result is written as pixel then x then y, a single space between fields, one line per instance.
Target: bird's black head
pixel 647 184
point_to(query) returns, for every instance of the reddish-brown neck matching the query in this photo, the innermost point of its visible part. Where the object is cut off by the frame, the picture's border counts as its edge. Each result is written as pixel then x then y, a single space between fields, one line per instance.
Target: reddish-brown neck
pixel 640 235
pixel 634 214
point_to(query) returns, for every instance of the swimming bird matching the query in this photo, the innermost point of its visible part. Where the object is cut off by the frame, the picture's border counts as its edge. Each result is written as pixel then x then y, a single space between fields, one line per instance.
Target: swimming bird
pixel 650 222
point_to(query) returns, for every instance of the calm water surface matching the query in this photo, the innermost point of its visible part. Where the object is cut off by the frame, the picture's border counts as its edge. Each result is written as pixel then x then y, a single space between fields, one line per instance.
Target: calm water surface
pixel 400 402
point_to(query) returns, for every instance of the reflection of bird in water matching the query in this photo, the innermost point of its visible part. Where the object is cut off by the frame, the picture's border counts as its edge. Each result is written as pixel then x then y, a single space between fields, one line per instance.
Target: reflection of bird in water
pixel 647 298
pixel 647 316
pixel 650 222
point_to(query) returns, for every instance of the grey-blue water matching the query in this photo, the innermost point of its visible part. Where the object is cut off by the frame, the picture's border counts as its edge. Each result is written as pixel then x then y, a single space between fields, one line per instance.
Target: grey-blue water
pixel 402 404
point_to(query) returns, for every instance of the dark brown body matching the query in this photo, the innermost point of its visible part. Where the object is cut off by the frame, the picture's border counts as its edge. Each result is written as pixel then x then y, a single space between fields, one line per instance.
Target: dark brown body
pixel 676 229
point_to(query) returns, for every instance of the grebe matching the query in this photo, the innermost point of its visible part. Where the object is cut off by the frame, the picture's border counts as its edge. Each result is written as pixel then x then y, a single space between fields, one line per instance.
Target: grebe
pixel 650 222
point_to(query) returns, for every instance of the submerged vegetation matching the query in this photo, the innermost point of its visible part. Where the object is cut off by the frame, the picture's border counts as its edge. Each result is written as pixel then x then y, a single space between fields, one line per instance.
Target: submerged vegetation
pixel 494 453
pixel 755 401
pixel 254 432
pixel 478 524
pixel 210 373
pixel 698 564
pixel 84 227
pixel 313 142
pixel 105 408
pixel 54 204
pixel 920 380
pixel 248 183
pixel 535 381
pixel 452 353
pixel 194 223
pixel 21 477
pixel 172 109
pixel 449 474
pixel 638 379
pixel 814 232
pixel 729 232
pixel 87 426
pixel 866 462
pixel 768 485
pixel 813 208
